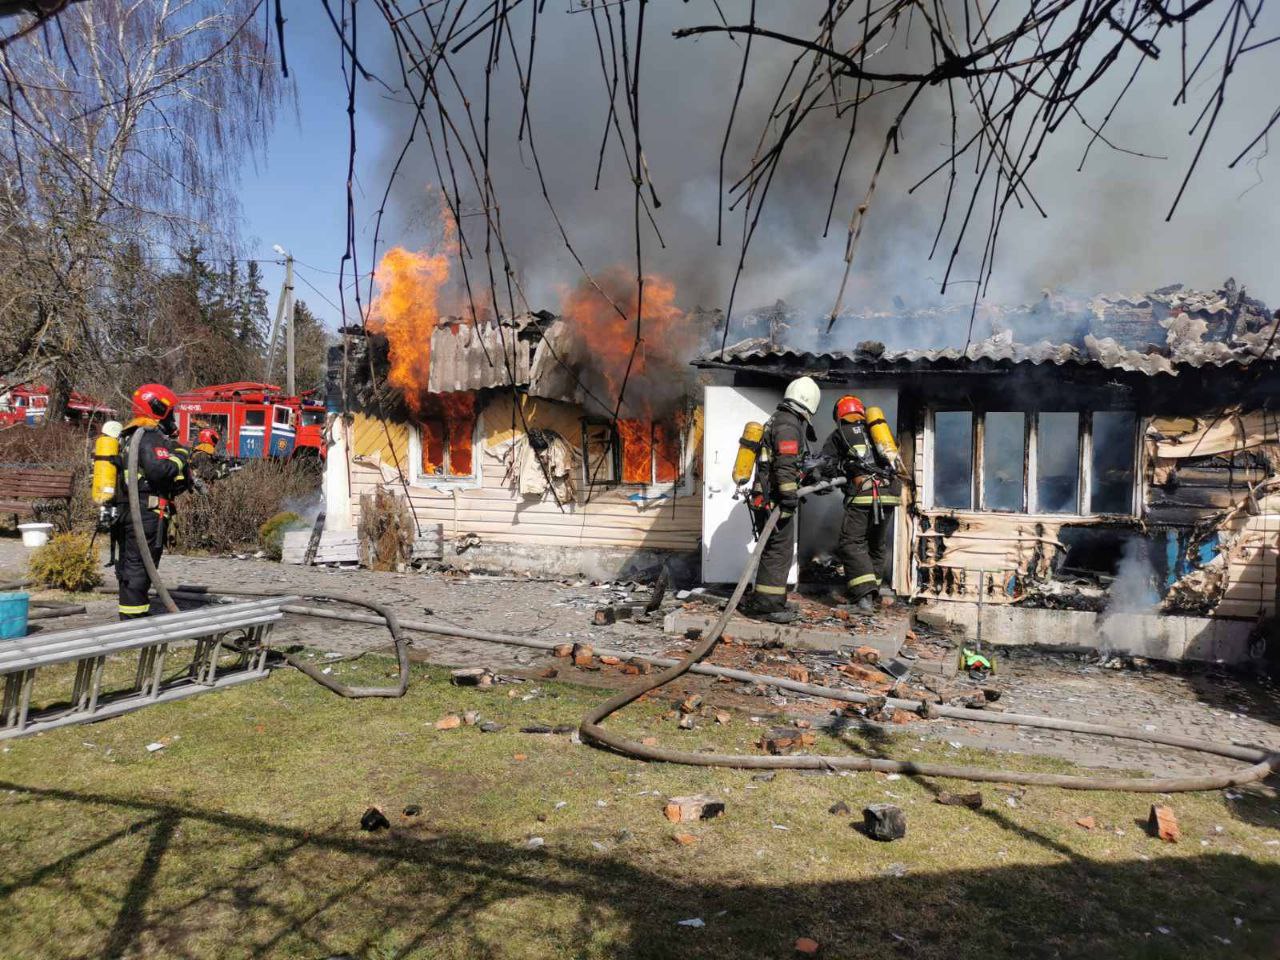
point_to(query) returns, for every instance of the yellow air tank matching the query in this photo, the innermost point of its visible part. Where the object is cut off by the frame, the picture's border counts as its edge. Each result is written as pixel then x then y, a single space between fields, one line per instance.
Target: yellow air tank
pixel 881 435
pixel 744 464
pixel 106 454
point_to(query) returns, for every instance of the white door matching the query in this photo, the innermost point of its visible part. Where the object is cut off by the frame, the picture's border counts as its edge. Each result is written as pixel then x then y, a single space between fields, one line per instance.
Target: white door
pixel 726 526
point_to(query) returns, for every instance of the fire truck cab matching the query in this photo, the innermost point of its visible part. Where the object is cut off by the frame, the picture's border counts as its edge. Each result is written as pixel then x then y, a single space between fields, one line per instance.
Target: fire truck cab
pixel 254 420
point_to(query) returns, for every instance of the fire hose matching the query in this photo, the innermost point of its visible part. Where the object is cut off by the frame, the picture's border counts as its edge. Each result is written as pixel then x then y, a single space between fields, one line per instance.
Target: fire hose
pixel 1262 762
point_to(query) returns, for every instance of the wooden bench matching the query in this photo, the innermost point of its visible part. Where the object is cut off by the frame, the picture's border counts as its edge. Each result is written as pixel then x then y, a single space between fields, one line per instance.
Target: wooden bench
pixel 28 491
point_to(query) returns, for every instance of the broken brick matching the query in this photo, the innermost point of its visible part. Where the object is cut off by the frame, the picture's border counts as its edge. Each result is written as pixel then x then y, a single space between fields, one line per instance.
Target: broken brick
pixel 583 654
pixel 650 741
pixel 807 947
pixel 686 722
pixel 803 724
pixel 863 673
pixel 563 650
pixel 549 674
pixel 903 716
pixel 520 757
pixel 691 703
pixel 722 717
pixel 696 807
pixel 610 661
pixel 865 654
pixel 685 839
pixel 451 722
pixel 1087 822
pixel 797 673
pixel 1163 823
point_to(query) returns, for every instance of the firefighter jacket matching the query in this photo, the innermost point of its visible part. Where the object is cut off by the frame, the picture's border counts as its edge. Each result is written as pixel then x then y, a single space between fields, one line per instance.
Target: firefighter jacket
pixel 783 450
pixel 206 466
pixel 162 465
pixel 869 476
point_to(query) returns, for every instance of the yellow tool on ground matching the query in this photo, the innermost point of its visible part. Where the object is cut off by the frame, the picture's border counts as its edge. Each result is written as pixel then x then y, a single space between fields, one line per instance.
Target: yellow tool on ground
pixel 744 464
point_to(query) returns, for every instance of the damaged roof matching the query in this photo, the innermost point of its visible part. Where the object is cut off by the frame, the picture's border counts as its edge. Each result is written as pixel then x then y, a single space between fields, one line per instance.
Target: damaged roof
pixel 1156 333
pixel 466 356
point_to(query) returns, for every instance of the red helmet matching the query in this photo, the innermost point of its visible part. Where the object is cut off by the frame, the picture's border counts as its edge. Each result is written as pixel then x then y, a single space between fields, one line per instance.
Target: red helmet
pixel 153 400
pixel 208 435
pixel 850 407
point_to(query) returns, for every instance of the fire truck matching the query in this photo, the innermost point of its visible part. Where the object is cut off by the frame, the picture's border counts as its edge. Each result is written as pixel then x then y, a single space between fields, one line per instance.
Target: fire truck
pixel 255 420
pixel 28 403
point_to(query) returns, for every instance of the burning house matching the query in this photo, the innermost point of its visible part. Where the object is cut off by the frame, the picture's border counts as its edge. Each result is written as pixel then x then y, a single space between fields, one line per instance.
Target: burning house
pixel 1100 472
pixel 1114 482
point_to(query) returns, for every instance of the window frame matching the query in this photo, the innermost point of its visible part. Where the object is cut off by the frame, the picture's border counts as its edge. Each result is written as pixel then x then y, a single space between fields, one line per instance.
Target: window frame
pixel 444 481
pixel 683 483
pixel 1031 442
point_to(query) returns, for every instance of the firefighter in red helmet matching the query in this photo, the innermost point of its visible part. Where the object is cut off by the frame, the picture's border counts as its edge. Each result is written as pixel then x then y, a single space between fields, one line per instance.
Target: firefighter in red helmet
pixel 871 493
pixel 162 474
pixel 206 464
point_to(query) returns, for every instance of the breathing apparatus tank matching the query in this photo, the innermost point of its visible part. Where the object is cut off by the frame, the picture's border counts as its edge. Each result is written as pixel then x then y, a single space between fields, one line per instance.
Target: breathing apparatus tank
pixel 744 464
pixel 106 462
pixel 881 435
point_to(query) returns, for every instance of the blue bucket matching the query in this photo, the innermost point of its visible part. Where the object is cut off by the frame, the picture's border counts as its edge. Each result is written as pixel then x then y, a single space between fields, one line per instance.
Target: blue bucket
pixel 13 615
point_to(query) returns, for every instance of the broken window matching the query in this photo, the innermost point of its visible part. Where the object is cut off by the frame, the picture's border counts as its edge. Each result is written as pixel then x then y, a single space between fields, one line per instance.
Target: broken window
pixel 1111 476
pixel 1003 457
pixel 639 452
pixel 953 459
pixel 445 447
pixel 1058 463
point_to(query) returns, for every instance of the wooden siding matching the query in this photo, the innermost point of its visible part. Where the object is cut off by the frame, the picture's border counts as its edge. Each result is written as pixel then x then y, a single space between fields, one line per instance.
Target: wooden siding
pixel 494 511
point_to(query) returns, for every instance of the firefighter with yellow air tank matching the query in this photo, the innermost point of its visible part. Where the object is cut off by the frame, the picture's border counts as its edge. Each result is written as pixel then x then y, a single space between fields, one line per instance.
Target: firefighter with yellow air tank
pixel 862 449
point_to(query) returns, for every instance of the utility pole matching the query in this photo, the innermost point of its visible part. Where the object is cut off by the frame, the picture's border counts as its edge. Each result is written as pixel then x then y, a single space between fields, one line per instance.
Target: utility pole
pixel 284 314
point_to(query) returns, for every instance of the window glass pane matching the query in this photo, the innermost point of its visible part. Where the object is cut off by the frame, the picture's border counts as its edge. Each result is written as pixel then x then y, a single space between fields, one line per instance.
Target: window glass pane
pixel 953 459
pixel 1111 487
pixel 1058 463
pixel 431 436
pixel 255 418
pixel 1003 446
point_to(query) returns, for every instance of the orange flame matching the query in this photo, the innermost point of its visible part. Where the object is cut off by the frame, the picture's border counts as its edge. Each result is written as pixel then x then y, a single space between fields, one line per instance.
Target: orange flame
pixel 459 412
pixel 636 437
pixel 407 309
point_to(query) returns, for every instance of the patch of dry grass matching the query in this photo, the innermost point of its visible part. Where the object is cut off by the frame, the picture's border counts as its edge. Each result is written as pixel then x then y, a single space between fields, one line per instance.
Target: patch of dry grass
pixel 241 838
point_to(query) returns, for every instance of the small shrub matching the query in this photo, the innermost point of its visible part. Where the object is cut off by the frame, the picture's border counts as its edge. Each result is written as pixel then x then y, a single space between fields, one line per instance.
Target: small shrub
pixel 66 562
pixel 229 514
pixel 386 530
pixel 271 534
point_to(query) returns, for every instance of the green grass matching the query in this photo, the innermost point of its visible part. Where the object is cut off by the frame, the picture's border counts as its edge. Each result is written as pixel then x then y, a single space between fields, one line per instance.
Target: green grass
pixel 241 839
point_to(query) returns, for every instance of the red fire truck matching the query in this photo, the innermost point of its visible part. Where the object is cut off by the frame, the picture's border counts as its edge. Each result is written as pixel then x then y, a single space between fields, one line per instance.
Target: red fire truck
pixel 27 403
pixel 255 420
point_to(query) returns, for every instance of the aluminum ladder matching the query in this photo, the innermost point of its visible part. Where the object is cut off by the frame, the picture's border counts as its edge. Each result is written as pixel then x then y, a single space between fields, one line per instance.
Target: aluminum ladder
pixel 211 628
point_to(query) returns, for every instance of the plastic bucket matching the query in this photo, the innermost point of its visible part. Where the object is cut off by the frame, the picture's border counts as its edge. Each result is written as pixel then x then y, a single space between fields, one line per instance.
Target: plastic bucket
pixel 13 615
pixel 35 534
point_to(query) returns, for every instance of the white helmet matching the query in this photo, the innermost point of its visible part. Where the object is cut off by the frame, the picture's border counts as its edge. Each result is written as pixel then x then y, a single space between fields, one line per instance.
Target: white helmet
pixel 804 393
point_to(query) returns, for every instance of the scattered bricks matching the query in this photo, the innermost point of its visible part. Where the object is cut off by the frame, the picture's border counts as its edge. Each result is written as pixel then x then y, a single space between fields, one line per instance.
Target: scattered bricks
pixel 971 800
pixel 549 674
pixel 722 717
pixel 451 722
pixel 583 654
pixel 863 673
pixel 902 716
pixel 618 611
pixel 686 722
pixel 374 819
pixel 842 613
pixel 1163 824
pixel 610 661
pixel 910 636
pixel 797 673
pixel 642 666
pixel 563 650
pixel 650 741
pixel 884 821
pixel 807 947
pixel 1087 822
pixel 781 743
pixel 685 839
pixel 691 703
pixel 471 677
pixel 839 808
pixel 696 807
pixel 865 654
pixel 471 718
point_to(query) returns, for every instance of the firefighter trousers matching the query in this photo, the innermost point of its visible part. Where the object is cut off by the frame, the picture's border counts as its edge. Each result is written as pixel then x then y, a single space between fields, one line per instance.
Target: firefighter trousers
pixel 775 565
pixel 135 585
pixel 862 548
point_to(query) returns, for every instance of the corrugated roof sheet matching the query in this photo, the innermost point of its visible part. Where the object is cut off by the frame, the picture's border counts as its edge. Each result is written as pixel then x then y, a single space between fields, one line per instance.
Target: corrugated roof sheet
pixel 469 357
pixel 1197 329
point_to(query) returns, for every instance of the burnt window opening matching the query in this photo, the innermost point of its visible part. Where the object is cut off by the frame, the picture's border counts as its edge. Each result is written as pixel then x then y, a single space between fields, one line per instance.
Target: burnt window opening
pixel 445 448
pixel 1075 463
pixel 640 452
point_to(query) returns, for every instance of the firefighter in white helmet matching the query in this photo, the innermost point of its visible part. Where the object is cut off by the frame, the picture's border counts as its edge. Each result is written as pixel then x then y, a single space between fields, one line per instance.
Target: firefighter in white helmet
pixel 779 472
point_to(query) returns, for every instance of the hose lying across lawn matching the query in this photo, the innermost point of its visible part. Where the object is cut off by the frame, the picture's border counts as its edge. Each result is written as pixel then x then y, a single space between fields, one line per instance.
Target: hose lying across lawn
pixel 1262 762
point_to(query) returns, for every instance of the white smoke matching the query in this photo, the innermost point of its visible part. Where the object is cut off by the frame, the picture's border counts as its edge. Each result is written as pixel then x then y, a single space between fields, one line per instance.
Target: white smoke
pixel 1132 591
